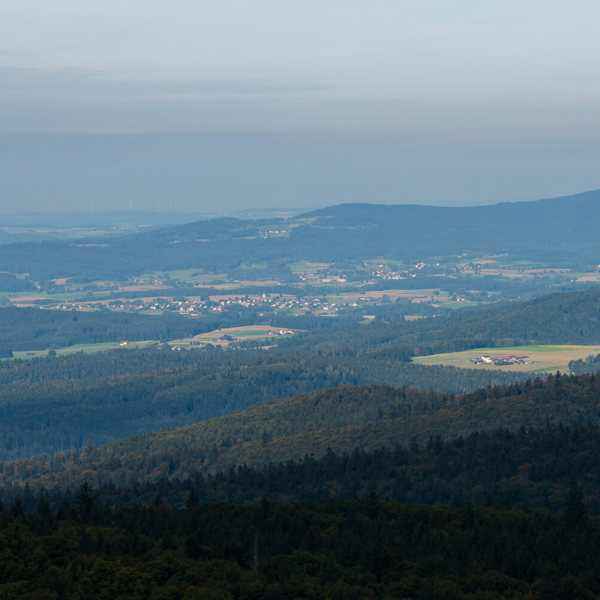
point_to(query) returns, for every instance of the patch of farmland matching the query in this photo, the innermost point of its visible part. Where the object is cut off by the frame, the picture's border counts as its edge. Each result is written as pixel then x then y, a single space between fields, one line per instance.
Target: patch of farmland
pixel 530 359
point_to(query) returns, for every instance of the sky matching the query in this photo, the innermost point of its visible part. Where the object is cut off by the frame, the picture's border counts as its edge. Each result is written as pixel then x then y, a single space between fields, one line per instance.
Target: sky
pixel 223 106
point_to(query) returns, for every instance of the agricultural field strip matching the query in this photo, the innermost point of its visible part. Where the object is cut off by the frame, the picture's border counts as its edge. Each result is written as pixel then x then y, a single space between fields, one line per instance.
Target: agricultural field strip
pixel 210 337
pixel 540 358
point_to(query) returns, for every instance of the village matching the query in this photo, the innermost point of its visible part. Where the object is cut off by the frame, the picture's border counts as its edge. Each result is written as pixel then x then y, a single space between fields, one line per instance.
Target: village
pixel 194 306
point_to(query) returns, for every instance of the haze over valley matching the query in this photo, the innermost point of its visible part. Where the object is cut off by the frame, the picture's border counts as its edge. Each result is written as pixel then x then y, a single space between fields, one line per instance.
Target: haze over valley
pixel 299 300
pixel 227 358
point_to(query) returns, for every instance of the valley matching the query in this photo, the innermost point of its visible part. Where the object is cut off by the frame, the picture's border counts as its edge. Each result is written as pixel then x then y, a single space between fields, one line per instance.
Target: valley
pixel 299 300
pixel 340 260
pixel 227 364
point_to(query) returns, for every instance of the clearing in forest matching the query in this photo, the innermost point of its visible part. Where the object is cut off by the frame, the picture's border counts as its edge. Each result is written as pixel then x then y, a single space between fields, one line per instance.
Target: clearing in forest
pixel 531 359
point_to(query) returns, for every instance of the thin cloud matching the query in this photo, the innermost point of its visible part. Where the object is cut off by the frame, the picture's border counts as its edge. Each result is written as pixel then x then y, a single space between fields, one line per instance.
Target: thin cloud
pixel 27 79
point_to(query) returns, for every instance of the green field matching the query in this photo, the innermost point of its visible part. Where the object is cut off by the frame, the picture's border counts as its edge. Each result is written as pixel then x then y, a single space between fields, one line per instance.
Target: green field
pixel 391 295
pixel 302 266
pixel 227 335
pixel 221 337
pixel 187 275
pixel 540 358
pixel 99 347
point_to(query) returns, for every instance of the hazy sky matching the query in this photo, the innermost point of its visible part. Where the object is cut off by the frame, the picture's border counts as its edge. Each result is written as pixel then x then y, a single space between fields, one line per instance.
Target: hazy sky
pixel 228 104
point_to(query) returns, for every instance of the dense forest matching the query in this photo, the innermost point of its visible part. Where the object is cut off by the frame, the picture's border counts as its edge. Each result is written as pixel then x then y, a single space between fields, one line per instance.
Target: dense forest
pixel 332 549
pixel 529 230
pixel 54 403
pixel 12 283
pixel 340 419
pixel 61 402
pixel 35 329
pixel 527 468
pixel 590 365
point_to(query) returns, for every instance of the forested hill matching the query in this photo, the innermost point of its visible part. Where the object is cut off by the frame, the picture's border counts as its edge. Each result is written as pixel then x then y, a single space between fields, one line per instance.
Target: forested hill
pixel 341 418
pixel 561 231
pixel 554 227
pixel 522 468
pixel 97 399
pixel 35 329
pixel 55 403
pixel 562 318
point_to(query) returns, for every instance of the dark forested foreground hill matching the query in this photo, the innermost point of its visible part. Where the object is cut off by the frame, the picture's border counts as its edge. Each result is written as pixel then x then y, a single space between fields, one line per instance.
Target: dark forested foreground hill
pixel 526 468
pixel 273 551
pixel 341 419
pixel 560 231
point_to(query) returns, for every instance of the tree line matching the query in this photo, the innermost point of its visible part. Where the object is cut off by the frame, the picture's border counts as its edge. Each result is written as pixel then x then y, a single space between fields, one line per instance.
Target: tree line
pixel 271 550
pixel 340 419
pixel 55 403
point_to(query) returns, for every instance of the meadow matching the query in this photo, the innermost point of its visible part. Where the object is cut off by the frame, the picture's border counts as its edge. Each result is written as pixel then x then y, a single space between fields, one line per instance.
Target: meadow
pixel 220 337
pixel 540 358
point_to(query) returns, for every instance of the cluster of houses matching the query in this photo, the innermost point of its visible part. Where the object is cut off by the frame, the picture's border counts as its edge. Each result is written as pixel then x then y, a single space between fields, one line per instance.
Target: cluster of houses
pixel 271 233
pixel 384 273
pixel 379 272
pixel 505 359
pixel 195 307
pixel 322 277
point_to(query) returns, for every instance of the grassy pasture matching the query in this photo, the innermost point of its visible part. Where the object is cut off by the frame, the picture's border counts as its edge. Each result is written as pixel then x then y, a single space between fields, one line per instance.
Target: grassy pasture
pixel 250 332
pixel 417 295
pixel 88 348
pixel 303 266
pixel 187 275
pixel 540 358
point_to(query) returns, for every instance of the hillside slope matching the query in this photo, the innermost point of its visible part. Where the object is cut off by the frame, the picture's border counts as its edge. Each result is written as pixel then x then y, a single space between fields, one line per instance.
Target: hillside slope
pixel 559 230
pixel 527 468
pixel 56 403
pixel 343 418
pixel 561 318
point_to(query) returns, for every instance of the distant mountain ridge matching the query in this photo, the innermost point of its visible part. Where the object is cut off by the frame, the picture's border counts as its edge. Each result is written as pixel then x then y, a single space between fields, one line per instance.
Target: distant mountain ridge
pixel 559 230
pixel 589 200
pixel 549 226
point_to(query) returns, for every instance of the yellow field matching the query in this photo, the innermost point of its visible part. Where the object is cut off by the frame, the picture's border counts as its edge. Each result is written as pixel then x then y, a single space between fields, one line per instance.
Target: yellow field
pixel 540 359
